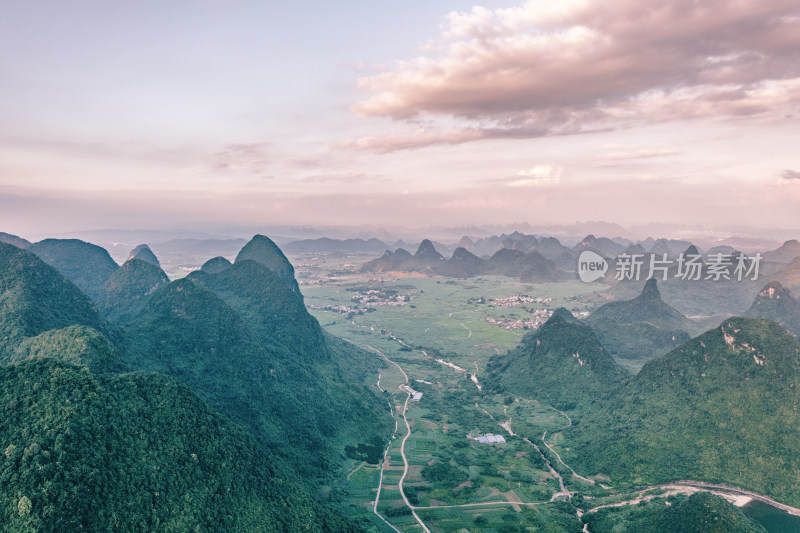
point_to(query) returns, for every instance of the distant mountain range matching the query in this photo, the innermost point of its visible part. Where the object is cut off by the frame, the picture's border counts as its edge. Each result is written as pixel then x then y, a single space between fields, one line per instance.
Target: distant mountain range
pixel 530 266
pixel 534 258
pixel 328 245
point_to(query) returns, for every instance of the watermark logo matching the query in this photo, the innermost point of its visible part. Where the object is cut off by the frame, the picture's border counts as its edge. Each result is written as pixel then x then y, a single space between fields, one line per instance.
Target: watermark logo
pixel 591 266
pixel 686 267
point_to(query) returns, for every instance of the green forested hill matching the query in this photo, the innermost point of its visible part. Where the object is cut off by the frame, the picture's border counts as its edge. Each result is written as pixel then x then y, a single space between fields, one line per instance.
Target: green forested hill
pixel 35 298
pixel 701 512
pixel 319 374
pixel 144 253
pixel 261 360
pixel 86 265
pixel 135 452
pixel 647 307
pixel 19 242
pixel 776 303
pixel 215 265
pixel 641 329
pixel 262 250
pixel 272 310
pixel 79 345
pixel 126 292
pixel 724 407
pixel 789 276
pixel 562 363
pixel 280 390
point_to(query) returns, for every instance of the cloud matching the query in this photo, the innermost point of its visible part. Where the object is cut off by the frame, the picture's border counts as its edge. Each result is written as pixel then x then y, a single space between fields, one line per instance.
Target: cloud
pixel 248 157
pixel 547 68
pixel 638 154
pixel 538 176
pixel 790 175
pixel 350 178
pixel 418 139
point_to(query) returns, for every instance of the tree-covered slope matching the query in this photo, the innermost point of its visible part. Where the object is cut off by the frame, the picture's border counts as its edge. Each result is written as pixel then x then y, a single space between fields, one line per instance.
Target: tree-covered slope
pixel 701 512
pixel 776 303
pixel 78 345
pixel 562 363
pixel 262 250
pixel 35 298
pixel 86 265
pixel 134 453
pixel 647 307
pixel 14 240
pixel 272 386
pixel 126 292
pixel 463 264
pixel 642 328
pixel 724 407
pixel 321 374
pixel 789 276
pixel 215 265
pixel 144 253
pixel 271 308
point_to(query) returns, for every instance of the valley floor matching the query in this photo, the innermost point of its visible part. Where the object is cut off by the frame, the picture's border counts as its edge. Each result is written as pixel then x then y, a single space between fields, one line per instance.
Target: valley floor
pixel 434 476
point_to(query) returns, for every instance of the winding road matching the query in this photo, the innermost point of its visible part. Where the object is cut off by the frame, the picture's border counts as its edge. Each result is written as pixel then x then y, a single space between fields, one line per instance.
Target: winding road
pixel 402 445
pixel 677 486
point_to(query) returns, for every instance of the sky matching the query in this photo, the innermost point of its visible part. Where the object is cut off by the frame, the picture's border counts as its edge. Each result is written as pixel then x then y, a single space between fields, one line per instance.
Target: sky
pixel 167 114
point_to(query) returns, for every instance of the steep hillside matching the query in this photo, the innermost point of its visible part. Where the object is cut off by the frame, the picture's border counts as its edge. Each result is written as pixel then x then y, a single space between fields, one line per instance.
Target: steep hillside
pixel 562 363
pixel 260 359
pixel 463 264
pixel 129 288
pixel 215 265
pixel 426 259
pixel 134 453
pixel 35 298
pixel 271 308
pixel 785 253
pixel 701 512
pixel 19 242
pixel 647 307
pixel 697 298
pixel 789 275
pixel 78 345
pixel 144 253
pixel 642 328
pixel 777 304
pixel 724 407
pixel 388 261
pixel 601 245
pixel 262 250
pixel 86 265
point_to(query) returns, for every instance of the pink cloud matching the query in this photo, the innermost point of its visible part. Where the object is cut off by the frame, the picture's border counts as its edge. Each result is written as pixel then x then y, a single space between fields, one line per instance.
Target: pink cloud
pixel 547 68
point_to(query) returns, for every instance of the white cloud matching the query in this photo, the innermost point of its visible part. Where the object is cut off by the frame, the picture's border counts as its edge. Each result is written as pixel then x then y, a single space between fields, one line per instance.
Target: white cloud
pixel 540 175
pixel 550 68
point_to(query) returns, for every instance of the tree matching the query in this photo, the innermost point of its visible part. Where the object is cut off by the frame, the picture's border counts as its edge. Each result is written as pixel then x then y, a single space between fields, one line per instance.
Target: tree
pixel 24 506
